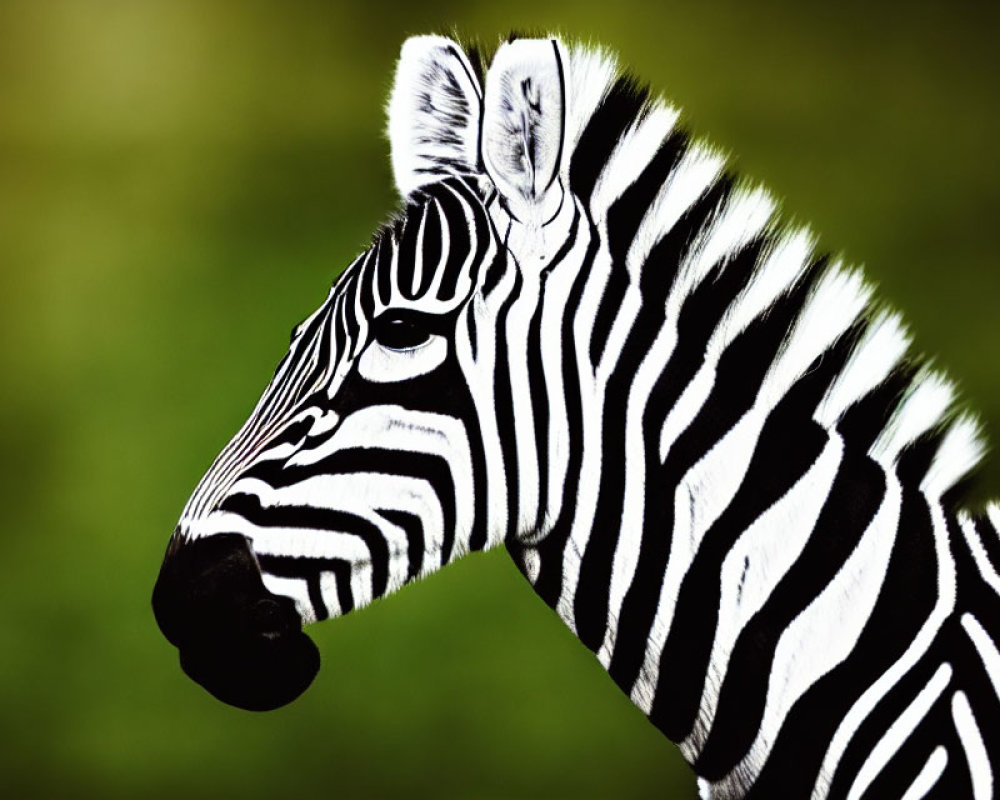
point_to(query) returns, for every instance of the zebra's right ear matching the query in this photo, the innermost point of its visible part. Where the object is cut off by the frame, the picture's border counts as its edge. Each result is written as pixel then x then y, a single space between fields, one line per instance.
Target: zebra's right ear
pixel 434 113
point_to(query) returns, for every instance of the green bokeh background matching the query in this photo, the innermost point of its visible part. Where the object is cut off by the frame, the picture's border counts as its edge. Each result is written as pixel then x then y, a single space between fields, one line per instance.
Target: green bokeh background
pixel 179 182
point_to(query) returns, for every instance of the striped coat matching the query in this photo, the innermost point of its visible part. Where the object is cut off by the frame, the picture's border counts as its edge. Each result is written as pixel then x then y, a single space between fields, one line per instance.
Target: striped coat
pixel 705 445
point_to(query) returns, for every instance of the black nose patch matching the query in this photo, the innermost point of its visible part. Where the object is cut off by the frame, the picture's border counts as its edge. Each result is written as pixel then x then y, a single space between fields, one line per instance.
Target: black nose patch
pixel 244 644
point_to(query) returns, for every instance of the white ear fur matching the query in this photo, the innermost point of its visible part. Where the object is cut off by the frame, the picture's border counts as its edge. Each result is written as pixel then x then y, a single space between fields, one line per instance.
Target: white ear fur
pixel 524 123
pixel 434 113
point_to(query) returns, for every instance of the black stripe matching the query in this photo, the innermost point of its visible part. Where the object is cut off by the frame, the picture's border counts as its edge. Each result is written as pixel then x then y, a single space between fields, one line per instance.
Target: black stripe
pixel 548 583
pixel 916 457
pixel 318 519
pixel 366 284
pixel 310 570
pixel 592 594
pixel 503 398
pixel 623 220
pixel 789 443
pixel 406 261
pixel 936 728
pixel 989 539
pixel 414 532
pixel 852 502
pixel 864 420
pixel 906 600
pixel 453 208
pixel 383 264
pixel 425 466
pixel 538 393
pixel 495 271
pixel 738 376
pixel 794 764
pixel 622 104
pixel 540 387
pixel 479 535
pixel 431 246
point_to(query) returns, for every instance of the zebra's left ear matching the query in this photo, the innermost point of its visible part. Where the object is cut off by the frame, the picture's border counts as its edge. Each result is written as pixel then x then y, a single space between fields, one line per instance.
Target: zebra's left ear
pixel 524 124
pixel 434 113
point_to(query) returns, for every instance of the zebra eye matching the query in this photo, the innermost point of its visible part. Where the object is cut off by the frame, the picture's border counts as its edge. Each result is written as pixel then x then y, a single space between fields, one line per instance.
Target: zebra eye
pixel 400 332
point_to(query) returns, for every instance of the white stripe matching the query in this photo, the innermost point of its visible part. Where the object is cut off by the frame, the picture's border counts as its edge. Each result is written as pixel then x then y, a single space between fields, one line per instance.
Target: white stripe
pixel 833 305
pixel 516 332
pixel 475 263
pixel 691 178
pixel 979 555
pixel 754 566
pixel 589 73
pixel 986 648
pixel 592 389
pixel 296 589
pixel 553 346
pixel 993 513
pixel 960 451
pixel 929 775
pixel 327 590
pixel 882 347
pixel 943 607
pixel 438 272
pixel 479 371
pixel 632 154
pixel 710 485
pixel 744 217
pixel 828 629
pixel 780 269
pixel 700 497
pixel 972 744
pixel 899 731
pixel 361 584
pixel 926 403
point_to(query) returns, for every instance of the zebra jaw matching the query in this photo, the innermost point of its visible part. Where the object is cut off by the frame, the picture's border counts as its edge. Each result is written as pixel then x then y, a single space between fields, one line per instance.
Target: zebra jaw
pixel 242 643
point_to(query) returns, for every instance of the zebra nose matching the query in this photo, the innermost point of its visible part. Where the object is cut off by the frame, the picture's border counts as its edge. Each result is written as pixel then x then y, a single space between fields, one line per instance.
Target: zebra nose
pixel 242 643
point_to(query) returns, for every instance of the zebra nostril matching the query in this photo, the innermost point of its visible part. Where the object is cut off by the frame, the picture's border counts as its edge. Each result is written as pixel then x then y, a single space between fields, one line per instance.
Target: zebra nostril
pixel 268 619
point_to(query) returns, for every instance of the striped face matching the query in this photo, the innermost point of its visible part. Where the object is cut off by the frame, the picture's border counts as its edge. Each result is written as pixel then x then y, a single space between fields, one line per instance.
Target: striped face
pixel 362 466
pixel 403 428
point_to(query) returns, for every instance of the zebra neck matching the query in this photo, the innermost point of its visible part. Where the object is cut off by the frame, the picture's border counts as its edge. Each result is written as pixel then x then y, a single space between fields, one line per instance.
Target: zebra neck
pixel 753 507
pixel 758 517
pixel 785 587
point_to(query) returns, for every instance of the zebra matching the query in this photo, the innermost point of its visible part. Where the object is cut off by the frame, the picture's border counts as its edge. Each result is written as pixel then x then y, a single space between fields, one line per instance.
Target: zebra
pixel 705 444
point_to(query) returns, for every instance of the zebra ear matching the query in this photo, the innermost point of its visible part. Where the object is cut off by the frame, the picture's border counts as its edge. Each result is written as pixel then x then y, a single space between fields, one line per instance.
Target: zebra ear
pixel 434 113
pixel 524 123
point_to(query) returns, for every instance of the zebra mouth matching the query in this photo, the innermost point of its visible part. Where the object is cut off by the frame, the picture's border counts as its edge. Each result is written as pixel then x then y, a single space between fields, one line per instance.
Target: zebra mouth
pixel 239 641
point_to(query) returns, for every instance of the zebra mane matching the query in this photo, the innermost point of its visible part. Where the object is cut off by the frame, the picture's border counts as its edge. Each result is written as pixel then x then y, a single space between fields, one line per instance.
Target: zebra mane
pixel 615 131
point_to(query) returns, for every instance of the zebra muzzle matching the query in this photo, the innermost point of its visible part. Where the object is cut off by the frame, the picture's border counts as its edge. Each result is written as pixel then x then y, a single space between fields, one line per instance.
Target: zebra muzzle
pixel 242 643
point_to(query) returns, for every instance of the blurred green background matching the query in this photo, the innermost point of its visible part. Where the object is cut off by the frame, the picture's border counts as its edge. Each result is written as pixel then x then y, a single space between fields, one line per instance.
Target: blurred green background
pixel 180 181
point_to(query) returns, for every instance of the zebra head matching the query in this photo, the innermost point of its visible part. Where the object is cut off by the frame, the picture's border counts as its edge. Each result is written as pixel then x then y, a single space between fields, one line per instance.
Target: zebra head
pixel 385 445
